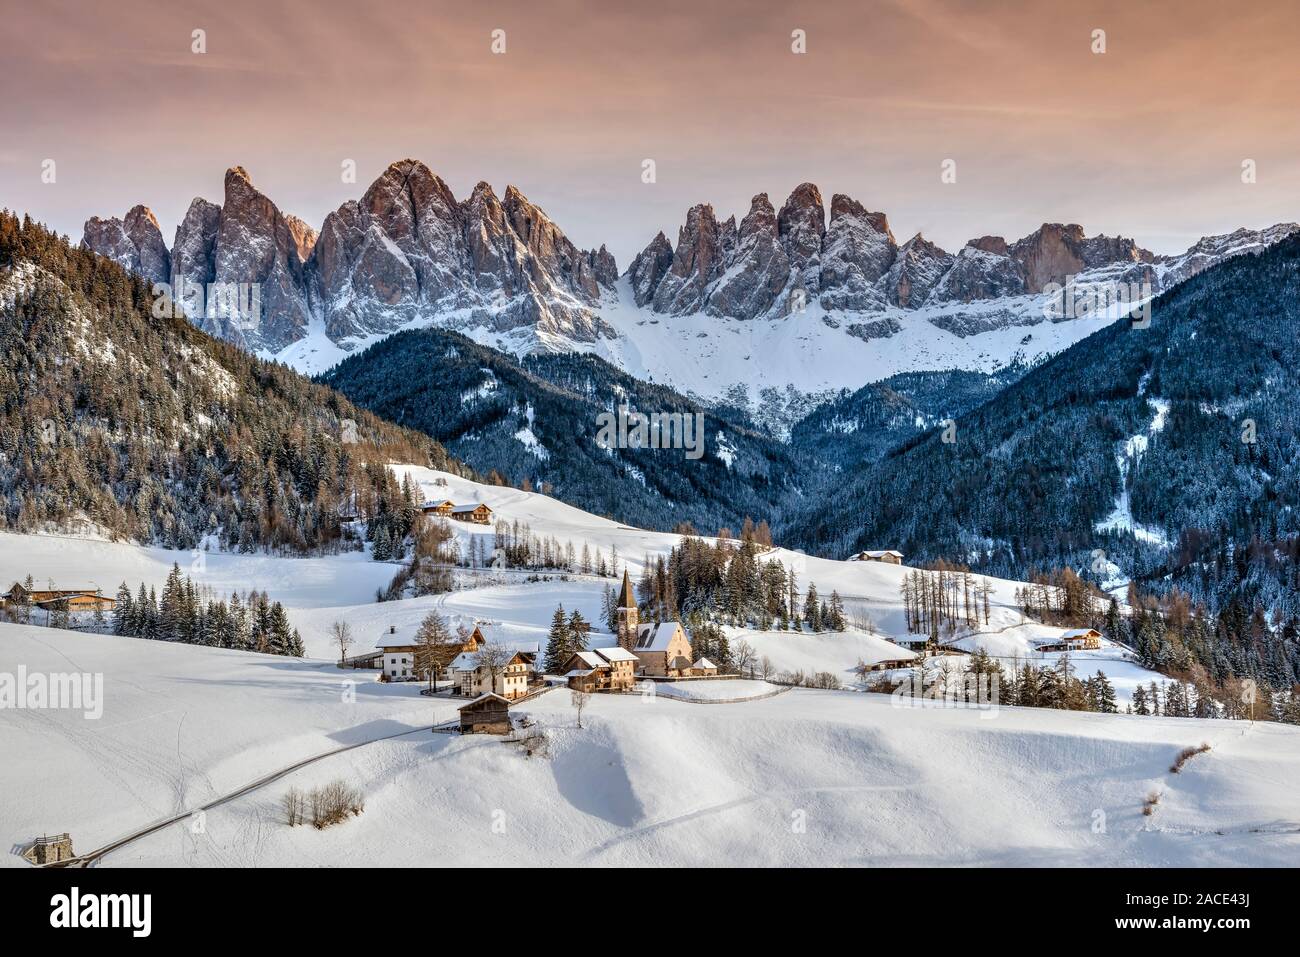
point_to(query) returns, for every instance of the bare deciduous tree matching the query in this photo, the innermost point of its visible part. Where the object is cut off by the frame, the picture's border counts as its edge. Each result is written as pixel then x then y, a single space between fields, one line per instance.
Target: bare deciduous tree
pixel 435 647
pixel 743 656
pixel 579 701
pixel 341 632
pixel 492 658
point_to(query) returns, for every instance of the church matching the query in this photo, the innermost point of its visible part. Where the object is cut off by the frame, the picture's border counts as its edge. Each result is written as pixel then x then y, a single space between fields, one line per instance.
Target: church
pixel 663 649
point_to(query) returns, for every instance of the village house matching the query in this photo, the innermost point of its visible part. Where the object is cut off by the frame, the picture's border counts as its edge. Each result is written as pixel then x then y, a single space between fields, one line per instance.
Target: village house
pixel 487 714
pixel 73 599
pixel 888 556
pixel 1074 639
pixel 398 647
pixel 471 677
pixel 475 512
pixel 440 506
pixel 602 669
pixel 662 650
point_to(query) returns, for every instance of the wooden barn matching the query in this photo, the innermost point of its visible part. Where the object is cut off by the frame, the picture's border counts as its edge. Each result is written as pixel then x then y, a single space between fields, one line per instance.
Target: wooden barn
pixel 438 506
pixel 72 599
pixel 888 556
pixel 1075 639
pixel 475 512
pixel 487 714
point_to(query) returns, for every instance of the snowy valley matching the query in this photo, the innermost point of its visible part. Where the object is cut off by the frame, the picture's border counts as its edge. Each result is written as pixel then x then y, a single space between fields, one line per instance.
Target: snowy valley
pixel 791 775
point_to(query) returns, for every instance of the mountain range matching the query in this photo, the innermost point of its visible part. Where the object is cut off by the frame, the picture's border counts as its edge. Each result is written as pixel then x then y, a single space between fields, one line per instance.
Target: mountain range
pixel 791 285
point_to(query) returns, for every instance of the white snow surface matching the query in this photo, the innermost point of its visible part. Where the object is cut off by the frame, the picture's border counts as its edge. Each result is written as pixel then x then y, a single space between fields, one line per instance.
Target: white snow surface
pixel 664 782
pixel 657 782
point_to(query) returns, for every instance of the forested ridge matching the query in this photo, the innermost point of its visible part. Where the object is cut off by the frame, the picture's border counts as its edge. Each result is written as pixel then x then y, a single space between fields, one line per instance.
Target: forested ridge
pixel 147 429
pixel 534 422
pixel 1030 478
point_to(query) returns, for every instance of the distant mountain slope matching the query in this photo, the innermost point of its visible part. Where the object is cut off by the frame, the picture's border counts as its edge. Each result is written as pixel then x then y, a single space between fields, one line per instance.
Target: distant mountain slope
pixel 1130 442
pixel 146 428
pixel 536 419
pixel 857 428
pixel 804 298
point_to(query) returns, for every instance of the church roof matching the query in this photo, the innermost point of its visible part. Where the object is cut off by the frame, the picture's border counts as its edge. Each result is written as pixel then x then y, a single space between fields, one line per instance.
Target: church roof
pixel 655 637
pixel 625 599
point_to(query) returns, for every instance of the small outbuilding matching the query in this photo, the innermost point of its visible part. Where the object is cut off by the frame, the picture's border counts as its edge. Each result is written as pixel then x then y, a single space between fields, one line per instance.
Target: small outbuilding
pixel 888 556
pixel 487 714
pixel 702 668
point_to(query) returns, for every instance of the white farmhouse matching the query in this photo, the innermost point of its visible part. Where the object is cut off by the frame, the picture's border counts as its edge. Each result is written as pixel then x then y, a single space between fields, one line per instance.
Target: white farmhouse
pixel 398 646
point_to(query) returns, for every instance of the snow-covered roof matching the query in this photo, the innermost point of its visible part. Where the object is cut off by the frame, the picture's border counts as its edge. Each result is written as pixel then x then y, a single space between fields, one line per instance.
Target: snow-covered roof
pixel 615 653
pixel 881 553
pixel 1079 633
pixel 402 636
pixel 578 673
pixel 705 663
pixel 469 506
pixel 485 695
pixel 465 661
pixel 655 637
pixel 589 658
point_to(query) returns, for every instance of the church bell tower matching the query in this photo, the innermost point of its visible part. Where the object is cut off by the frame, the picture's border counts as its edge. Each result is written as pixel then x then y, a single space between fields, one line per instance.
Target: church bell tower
pixel 628 616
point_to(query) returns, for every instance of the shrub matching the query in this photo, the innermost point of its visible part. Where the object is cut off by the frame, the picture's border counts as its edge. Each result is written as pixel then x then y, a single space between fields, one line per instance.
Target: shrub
pixel 334 802
pixel 1186 755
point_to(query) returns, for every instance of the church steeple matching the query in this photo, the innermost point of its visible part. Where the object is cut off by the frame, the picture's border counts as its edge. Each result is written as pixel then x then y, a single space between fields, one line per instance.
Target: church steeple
pixel 628 615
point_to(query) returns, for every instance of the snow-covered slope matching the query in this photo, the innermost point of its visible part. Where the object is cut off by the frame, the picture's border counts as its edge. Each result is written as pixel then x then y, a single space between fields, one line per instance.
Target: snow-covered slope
pixel 802 778
pixel 804 298
pixel 316 592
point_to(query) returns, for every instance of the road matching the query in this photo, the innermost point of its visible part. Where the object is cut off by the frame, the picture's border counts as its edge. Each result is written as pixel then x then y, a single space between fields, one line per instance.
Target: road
pixel 85 860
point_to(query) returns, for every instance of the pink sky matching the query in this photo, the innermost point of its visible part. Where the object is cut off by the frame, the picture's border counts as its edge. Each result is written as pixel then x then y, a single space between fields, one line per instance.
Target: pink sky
pixel 1146 140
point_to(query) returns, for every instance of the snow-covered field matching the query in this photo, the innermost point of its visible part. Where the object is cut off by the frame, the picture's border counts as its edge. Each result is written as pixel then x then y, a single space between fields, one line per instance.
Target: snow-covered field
pixel 802 778
pixel 709 689
pixel 797 777
pixel 316 592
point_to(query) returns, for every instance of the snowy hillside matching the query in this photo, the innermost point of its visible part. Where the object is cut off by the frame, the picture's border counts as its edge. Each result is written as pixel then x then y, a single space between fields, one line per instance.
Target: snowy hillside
pixel 318 591
pixel 802 778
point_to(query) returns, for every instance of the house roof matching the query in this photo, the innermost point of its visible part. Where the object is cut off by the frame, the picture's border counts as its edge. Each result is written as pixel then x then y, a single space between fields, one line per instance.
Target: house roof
pixel 437 503
pixel 881 553
pixel 1079 633
pixel 483 697
pixel 705 663
pixel 615 653
pixel 465 661
pixel 655 637
pixel 578 673
pixel 470 506
pixel 625 599
pixel 590 659
pixel 398 636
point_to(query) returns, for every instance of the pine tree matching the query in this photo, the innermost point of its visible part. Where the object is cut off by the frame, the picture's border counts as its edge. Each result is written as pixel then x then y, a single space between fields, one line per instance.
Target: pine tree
pixel 557 644
pixel 123 611
pixel 812 609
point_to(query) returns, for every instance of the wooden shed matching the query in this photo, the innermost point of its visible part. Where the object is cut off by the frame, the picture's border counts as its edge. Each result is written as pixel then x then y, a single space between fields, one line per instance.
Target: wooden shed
pixel 889 556
pixel 487 714
pixel 475 512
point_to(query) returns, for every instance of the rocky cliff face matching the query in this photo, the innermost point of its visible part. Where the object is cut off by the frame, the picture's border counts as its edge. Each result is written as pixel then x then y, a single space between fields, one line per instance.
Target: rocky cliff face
pixel 408 252
pixel 406 249
pixel 135 243
pixel 854 265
